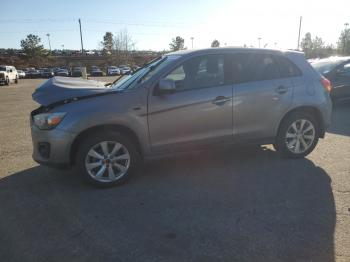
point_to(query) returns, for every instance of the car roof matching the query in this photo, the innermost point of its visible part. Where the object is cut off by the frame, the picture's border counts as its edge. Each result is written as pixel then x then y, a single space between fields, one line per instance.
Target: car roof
pixel 232 49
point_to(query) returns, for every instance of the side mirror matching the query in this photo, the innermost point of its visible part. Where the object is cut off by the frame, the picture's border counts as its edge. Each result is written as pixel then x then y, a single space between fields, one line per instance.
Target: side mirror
pixel 10 70
pixel 166 86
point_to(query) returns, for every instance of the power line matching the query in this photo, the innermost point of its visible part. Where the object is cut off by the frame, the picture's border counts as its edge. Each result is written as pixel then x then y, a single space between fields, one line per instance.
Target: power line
pixel 98 21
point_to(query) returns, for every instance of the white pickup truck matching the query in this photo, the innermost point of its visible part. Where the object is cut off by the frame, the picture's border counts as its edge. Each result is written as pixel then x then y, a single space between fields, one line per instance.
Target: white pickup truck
pixel 8 74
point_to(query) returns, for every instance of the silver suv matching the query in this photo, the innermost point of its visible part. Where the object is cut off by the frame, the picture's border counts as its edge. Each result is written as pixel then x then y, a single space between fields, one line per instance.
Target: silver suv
pixel 182 101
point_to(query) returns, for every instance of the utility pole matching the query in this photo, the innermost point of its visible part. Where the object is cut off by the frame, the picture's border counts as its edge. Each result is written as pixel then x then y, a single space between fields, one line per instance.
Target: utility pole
pixel 81 38
pixel 301 18
pixel 48 37
pixel 259 39
pixel 192 41
pixel 345 37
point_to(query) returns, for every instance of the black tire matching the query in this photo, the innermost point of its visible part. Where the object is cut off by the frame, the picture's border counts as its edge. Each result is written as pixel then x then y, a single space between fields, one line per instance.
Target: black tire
pixel 7 81
pixel 16 80
pixel 94 139
pixel 281 140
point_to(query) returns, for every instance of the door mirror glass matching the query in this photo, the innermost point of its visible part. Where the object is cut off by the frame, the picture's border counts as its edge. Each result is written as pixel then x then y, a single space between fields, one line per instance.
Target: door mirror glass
pixel 166 86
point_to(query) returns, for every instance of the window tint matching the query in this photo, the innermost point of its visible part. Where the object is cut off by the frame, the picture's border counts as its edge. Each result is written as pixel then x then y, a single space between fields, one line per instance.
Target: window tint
pixel 266 68
pixel 287 68
pixel 199 72
pixel 245 67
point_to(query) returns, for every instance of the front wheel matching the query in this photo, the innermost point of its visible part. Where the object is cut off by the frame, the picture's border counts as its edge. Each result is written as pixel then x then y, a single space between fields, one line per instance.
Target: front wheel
pixel 297 136
pixel 108 159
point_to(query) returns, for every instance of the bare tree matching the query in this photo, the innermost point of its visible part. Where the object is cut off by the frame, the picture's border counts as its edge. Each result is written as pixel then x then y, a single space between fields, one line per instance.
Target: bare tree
pixel 123 44
pixel 123 41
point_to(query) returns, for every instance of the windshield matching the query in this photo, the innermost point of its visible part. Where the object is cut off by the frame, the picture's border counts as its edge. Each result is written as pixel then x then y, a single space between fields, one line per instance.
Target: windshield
pixel 325 66
pixel 2 68
pixel 143 73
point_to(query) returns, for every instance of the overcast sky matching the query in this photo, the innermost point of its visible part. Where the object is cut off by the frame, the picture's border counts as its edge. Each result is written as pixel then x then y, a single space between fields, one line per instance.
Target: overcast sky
pixel 152 24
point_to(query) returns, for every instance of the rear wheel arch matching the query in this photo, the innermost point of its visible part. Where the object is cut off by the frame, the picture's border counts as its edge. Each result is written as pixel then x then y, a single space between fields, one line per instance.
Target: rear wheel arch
pixel 311 110
pixel 123 130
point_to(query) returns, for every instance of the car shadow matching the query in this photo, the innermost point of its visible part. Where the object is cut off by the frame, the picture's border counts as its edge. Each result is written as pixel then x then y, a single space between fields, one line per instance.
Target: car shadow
pixel 217 205
pixel 340 119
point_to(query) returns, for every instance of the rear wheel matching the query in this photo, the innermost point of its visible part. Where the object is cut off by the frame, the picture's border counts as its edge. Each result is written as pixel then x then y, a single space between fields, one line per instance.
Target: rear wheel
pixel 298 135
pixel 16 80
pixel 108 159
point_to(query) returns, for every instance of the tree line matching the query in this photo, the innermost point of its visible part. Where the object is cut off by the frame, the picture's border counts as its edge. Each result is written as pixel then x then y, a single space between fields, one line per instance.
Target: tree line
pixel 122 43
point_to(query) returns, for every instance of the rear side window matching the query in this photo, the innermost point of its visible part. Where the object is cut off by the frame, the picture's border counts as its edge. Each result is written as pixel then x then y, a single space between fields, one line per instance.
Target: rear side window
pixel 287 68
pixel 249 67
pixel 266 68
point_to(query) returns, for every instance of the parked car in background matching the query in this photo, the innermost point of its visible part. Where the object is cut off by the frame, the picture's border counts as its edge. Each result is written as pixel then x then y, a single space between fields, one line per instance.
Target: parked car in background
pixel 337 70
pixel 77 72
pixel 113 71
pixel 62 72
pixel 33 73
pixel 21 74
pixel 95 71
pixel 8 74
pixel 182 101
pixel 47 73
pixel 125 70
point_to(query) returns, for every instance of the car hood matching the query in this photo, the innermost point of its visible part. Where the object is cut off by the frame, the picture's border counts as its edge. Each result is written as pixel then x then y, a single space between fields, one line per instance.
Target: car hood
pixel 62 88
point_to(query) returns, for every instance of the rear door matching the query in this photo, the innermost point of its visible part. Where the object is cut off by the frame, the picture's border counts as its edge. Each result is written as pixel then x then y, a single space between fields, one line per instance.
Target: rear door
pixel 260 95
pixel 200 110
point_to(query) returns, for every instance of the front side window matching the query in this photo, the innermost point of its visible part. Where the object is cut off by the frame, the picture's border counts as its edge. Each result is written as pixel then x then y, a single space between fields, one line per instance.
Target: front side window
pixel 199 72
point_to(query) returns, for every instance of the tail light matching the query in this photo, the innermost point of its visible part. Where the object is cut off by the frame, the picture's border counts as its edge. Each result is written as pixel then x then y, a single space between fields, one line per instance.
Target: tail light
pixel 326 84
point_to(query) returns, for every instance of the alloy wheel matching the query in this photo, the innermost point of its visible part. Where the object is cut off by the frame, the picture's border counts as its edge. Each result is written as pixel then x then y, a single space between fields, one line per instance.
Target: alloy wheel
pixel 107 161
pixel 300 136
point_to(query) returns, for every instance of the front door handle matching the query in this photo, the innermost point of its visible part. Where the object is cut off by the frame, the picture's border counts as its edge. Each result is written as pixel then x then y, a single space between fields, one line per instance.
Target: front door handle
pixel 220 100
pixel 281 89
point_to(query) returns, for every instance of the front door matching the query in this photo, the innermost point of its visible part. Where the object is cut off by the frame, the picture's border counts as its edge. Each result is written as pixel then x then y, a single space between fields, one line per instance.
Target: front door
pixel 198 112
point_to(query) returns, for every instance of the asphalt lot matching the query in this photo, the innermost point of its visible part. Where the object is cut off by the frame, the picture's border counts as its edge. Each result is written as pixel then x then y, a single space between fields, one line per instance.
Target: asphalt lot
pixel 223 205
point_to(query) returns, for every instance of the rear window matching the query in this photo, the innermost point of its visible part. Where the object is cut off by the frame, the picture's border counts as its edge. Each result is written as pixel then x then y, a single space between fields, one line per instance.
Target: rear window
pixel 323 66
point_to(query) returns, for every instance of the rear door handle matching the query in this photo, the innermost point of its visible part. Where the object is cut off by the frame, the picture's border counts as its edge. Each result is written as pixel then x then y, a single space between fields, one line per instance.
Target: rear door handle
pixel 220 100
pixel 281 89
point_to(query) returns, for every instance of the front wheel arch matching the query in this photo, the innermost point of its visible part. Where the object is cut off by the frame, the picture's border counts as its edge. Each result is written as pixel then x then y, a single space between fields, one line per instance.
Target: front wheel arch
pixel 103 128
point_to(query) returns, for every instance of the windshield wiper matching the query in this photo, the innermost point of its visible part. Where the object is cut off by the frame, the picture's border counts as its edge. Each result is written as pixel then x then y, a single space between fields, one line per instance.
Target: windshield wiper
pixel 115 81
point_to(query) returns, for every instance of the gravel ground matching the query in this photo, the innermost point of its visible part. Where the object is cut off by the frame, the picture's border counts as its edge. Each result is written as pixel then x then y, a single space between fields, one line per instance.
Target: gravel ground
pixel 223 205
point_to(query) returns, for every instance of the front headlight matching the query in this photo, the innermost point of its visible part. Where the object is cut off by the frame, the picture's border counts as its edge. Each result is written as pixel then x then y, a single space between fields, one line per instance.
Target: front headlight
pixel 48 120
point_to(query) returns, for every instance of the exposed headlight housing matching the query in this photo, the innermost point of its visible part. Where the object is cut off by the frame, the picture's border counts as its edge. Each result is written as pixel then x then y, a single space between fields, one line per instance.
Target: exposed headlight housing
pixel 48 120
